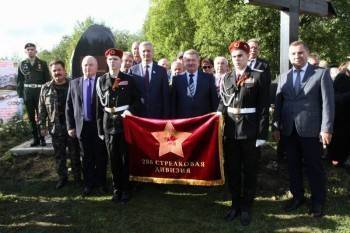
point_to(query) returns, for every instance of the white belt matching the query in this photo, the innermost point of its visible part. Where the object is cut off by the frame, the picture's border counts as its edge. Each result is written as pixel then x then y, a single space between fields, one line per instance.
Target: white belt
pixel 33 85
pixel 117 109
pixel 241 110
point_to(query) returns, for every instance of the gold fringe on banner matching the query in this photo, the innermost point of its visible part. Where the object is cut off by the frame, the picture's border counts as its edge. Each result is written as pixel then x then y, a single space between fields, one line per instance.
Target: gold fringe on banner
pixel 221 181
pixel 177 181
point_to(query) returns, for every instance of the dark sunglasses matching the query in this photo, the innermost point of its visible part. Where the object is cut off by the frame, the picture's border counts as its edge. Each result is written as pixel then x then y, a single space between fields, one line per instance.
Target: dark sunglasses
pixel 206 67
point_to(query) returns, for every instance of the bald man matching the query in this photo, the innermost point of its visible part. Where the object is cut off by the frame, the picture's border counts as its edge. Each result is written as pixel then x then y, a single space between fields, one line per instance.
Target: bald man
pixel 81 123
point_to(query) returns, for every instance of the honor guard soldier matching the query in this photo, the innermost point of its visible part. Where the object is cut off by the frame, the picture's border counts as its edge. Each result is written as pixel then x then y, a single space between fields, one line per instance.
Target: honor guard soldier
pixel 52 105
pixel 117 96
pixel 245 107
pixel 32 74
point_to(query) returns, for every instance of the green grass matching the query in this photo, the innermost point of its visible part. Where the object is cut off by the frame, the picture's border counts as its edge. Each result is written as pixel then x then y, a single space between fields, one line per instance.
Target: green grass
pixel 29 203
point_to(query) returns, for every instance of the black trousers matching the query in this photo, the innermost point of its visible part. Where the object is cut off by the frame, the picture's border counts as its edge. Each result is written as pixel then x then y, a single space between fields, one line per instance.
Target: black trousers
pixel 31 101
pixel 94 156
pixel 339 149
pixel 117 151
pixel 241 165
pixel 305 151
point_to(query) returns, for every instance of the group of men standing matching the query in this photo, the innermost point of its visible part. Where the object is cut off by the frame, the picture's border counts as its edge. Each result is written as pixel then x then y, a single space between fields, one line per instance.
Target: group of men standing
pixel 91 110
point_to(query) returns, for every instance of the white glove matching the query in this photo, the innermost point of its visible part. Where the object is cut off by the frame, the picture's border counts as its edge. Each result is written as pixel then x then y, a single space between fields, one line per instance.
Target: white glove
pixel 218 113
pixel 126 113
pixel 260 142
pixel 102 137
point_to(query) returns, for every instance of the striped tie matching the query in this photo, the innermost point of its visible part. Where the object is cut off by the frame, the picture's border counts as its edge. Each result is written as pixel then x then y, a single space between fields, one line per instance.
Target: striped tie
pixel 191 85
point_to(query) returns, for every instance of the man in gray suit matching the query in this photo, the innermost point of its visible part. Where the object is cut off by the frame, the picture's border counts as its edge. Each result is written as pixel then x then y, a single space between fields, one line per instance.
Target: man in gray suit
pixel 304 116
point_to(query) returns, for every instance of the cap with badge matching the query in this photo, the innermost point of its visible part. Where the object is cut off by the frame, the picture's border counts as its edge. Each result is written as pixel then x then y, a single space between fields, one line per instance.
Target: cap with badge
pixel 114 52
pixel 29 45
pixel 241 45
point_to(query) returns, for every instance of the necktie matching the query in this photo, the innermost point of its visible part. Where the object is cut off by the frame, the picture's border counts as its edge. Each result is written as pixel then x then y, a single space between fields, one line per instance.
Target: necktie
pixel 88 99
pixel 238 77
pixel 146 77
pixel 297 82
pixel 191 85
pixel 250 63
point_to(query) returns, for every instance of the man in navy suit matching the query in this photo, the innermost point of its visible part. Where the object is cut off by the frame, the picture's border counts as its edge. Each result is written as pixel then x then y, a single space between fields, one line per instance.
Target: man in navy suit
pixel 152 83
pixel 304 115
pixel 81 123
pixel 194 92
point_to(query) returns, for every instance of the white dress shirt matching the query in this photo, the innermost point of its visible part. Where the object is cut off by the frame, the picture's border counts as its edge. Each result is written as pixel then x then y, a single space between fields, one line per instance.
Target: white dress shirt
pixel 143 70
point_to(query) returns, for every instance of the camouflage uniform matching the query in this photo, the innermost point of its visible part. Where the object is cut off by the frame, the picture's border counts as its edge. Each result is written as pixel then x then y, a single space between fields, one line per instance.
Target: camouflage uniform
pixel 52 104
pixel 30 79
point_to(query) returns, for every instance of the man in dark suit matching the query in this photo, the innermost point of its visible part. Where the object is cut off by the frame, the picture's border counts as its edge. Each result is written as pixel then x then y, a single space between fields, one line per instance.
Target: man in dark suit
pixel 255 62
pixel 304 115
pixel 152 83
pixel 117 96
pixel 81 123
pixel 194 92
pixel 245 106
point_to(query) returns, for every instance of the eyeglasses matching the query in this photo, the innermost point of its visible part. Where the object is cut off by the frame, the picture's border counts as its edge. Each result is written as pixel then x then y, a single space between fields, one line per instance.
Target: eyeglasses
pixel 206 67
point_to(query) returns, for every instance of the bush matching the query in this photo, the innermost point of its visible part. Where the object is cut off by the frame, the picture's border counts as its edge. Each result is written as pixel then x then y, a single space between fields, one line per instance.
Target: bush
pixel 13 132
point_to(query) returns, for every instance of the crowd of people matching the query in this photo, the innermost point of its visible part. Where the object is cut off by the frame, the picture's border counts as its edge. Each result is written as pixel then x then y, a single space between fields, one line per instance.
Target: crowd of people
pixel 86 113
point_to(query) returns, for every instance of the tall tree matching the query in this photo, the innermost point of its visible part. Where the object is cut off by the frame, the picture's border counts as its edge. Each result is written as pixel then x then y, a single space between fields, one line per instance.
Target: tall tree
pixel 209 26
pixel 169 27
pixel 124 39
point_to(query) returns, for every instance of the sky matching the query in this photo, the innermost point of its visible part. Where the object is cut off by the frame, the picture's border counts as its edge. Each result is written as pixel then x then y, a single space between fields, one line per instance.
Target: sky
pixel 44 22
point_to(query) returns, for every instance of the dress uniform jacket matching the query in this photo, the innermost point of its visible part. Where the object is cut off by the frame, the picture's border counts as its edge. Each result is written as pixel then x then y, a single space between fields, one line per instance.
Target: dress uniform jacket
pixel 115 95
pixel 29 82
pixel 245 108
pixel 112 103
pixel 36 74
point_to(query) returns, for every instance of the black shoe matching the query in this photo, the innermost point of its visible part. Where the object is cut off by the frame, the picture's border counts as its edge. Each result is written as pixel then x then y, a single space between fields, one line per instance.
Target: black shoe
pixel 116 196
pixel 102 190
pixel 245 218
pixel 42 142
pixel 125 197
pixel 86 191
pixel 62 182
pixel 35 143
pixel 232 214
pixel 294 204
pixel 316 211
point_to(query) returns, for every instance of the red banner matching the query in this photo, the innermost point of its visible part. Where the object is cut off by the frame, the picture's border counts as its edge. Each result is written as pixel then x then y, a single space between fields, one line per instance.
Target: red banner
pixel 182 151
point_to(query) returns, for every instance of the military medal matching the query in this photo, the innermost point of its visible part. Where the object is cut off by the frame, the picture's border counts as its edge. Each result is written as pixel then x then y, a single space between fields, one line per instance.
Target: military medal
pixel 116 84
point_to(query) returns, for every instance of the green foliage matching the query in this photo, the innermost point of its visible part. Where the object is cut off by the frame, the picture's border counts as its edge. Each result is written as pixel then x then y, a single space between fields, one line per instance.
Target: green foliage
pixel 66 46
pixel 329 37
pixel 169 27
pixel 13 132
pixel 124 39
pixel 210 26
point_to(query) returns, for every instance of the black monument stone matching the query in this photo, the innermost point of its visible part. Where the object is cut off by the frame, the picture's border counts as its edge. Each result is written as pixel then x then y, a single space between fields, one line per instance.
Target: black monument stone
pixel 94 41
